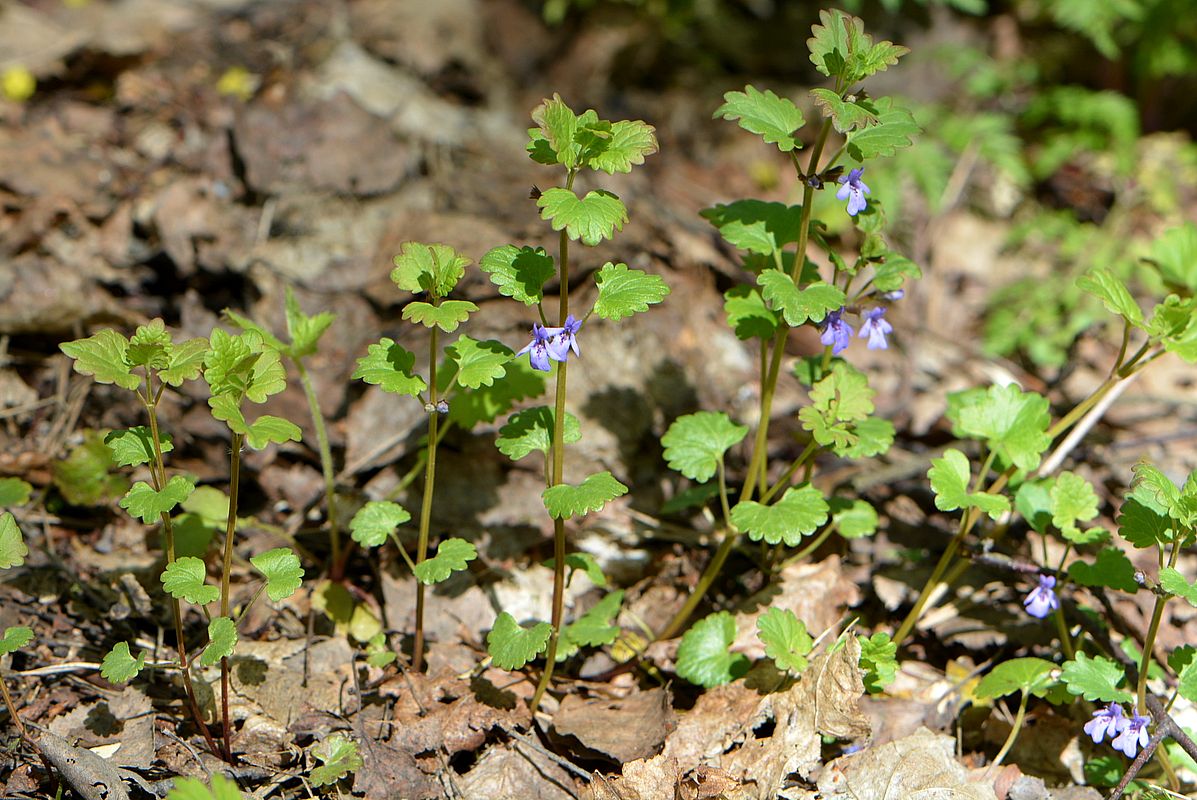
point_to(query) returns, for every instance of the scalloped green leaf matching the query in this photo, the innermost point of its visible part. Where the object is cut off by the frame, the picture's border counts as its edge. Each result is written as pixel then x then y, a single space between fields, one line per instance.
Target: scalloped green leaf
pixel 479 363
pixel 452 555
pixel 748 314
pixel 773 118
pixel 1030 675
pixel 135 446
pixel 305 331
pixel 149 346
pixel 144 502
pixel 949 478
pixel 1072 500
pixel 798 513
pixel 1095 679
pixel 798 306
pixel 1112 292
pixel 388 366
pixel 840 48
pixel 186 579
pixel 1174 253
pixel 895 129
pixel 185 362
pixel 532 429
pixel 268 429
pixel 84 476
pixel 338 758
pixel 191 789
pixel 625 145
pixel 378 652
pixel 519 272
pixel 1174 583
pixel 1144 526
pixel 512 646
pixel 446 316
pixel 103 358
pixel 845 114
pixel 486 403
pixel 854 519
pixel 14 492
pixel 1012 422
pixel 12 544
pixel 282 570
pixel 119 665
pixel 565 501
pixel 703 656
pixel 591 219
pixel 584 562
pixel 432 268
pixel 554 140
pixel 873 438
pixel 15 638
pixel 624 292
pixel 374 521
pixel 695 443
pixel 1111 568
pixel 755 225
pixel 222 640
pixel 878 660
pixel 595 628
pixel 785 638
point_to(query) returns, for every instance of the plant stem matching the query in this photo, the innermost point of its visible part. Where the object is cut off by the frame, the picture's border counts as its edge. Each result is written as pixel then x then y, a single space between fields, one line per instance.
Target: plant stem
pixel 426 502
pixel 936 576
pixel 226 571
pixel 557 476
pixel 810 548
pixel 1157 614
pixel 12 711
pixel 158 476
pixel 326 465
pixel 1018 719
pixel 784 480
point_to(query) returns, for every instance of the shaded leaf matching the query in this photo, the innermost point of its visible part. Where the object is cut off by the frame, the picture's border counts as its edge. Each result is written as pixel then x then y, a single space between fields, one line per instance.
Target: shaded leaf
pixel 565 501
pixel 512 646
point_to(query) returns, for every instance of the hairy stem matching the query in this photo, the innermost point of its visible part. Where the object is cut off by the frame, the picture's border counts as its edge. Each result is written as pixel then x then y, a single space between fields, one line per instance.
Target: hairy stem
pixel 326 466
pixel 226 571
pixel 1157 615
pixel 426 503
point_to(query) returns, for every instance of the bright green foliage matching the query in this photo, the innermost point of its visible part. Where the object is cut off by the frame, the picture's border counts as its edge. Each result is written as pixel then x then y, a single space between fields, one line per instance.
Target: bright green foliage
pixel 878 660
pixel 1174 583
pixel 585 562
pixel 773 118
pixel 135 446
pixel 479 363
pixel 703 657
pixel 185 578
pixel 511 646
pixel 593 629
pixel 264 430
pixel 1031 675
pixel 446 316
pixel 625 146
pixel 240 366
pixel 873 437
pixel 304 331
pixel 1174 253
pixel 338 756
pixel 894 271
pixel 1186 682
pixel 103 357
pixel 1034 502
pixel 1012 422
pixel 1142 523
pixel 432 268
pixel 282 571
pixel 119 665
pixel 756 226
pixel 591 219
pixel 488 402
pixel 378 652
pixel 374 521
pixel 895 128
pixel 785 638
pixel 83 476
pixel 798 306
pixel 453 555
pixel 845 114
pixel 142 501
pixel 583 140
pixel 12 545
pixel 798 513
pixel 1095 679
pixel 1105 286
pixel 1181 657
pixel 837 402
pixel 532 429
pixel 14 492
pixel 191 789
pixel 695 443
pixel 222 639
pixel 1154 484
pixel 1073 500
pixel 841 49
pixel 748 314
pixel 853 519
pixel 148 346
pixel 624 292
pixel 949 478
pixel 14 639
pixel 565 501
pixel 186 361
pixel 389 366
pixel 519 272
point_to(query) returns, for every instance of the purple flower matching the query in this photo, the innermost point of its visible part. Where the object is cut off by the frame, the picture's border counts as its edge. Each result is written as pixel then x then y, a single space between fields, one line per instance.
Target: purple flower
pixel 566 340
pixel 538 348
pixel 1042 599
pixel 1133 735
pixel 1106 721
pixel 837 334
pixel 853 189
pixel 896 294
pixel 875 328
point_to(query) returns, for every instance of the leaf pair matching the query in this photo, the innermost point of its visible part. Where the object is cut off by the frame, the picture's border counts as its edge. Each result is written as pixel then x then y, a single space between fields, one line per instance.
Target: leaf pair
pixel 111 358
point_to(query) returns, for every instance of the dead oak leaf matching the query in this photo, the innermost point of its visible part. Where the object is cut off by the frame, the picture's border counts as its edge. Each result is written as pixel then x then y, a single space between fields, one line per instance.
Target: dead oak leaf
pixel 921 766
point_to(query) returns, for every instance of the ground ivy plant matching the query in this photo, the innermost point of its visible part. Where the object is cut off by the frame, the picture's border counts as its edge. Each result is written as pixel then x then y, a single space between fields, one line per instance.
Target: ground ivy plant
pixel 577 146
pixel 236 369
pixel 845 299
pixel 13 550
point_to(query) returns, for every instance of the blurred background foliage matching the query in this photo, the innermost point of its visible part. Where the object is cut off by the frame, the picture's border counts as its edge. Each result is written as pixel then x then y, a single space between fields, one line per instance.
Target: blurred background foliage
pixel 1071 119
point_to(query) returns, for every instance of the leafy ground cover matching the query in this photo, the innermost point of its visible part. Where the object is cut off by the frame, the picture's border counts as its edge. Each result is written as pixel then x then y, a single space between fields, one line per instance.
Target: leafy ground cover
pixel 807 420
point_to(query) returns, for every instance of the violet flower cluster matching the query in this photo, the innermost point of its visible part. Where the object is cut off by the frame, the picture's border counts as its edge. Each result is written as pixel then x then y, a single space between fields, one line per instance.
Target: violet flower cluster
pixel 1127 735
pixel 552 344
pixel 837 332
pixel 1042 600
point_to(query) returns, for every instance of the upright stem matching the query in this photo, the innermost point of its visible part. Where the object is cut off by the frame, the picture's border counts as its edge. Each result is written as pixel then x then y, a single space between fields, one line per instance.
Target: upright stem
pixel 12 710
pixel 1018 718
pixel 326 465
pixel 1157 614
pixel 230 530
pixel 426 502
pixel 555 478
pixel 158 476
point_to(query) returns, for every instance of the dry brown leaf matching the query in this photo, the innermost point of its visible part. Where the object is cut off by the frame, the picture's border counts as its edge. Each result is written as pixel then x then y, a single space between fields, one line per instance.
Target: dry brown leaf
pixel 390 772
pixel 921 766
pixel 626 729
pixel 517 772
